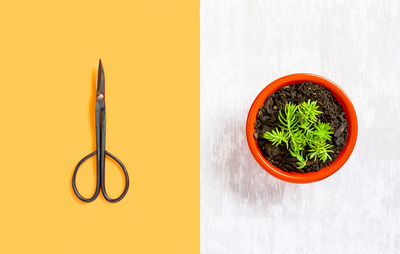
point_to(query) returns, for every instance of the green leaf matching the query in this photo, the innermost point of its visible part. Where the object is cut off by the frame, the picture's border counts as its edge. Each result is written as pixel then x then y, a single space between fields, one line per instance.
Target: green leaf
pixel 290 119
pixel 277 137
pixel 308 111
pixel 322 131
pixel 301 162
pixel 320 151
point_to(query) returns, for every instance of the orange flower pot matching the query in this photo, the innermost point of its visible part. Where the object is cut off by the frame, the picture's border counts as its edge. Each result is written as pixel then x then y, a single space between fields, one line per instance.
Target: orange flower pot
pixel 344 155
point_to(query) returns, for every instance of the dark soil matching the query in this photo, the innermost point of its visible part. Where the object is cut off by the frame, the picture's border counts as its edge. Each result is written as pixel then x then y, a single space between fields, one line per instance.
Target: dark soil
pixel 267 120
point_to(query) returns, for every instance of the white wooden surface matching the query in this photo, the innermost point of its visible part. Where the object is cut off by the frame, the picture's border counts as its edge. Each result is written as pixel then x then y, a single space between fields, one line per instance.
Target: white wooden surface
pixel 245 44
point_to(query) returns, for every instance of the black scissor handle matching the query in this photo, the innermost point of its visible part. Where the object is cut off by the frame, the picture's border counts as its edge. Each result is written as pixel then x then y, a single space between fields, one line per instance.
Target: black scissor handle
pixel 96 193
pixel 100 184
pixel 103 185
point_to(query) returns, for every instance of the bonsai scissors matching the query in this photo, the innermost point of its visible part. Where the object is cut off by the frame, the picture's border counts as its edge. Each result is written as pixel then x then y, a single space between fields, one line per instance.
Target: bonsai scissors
pixel 100 118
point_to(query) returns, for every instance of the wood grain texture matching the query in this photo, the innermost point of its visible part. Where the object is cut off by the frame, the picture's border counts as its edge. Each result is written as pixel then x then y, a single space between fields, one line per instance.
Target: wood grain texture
pixel 246 44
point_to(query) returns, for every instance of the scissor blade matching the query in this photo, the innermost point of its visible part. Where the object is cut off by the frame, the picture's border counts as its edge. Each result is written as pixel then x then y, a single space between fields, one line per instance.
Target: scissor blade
pixel 100 78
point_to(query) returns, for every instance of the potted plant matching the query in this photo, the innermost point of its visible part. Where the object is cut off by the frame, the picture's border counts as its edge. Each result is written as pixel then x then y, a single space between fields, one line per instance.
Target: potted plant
pixel 301 128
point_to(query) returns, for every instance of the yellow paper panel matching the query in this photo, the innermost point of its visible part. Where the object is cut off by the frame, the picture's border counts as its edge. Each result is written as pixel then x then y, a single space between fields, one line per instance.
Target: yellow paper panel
pixel 48 58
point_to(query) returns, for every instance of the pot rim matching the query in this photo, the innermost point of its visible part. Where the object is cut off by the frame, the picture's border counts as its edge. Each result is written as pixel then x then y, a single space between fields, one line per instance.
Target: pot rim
pixel 347 107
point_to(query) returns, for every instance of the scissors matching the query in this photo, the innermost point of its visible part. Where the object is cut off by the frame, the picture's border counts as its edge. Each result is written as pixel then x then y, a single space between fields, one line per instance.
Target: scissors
pixel 100 119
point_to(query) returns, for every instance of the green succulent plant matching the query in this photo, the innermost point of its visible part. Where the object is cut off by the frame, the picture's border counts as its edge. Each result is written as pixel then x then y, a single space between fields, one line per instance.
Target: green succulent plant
pixel 301 130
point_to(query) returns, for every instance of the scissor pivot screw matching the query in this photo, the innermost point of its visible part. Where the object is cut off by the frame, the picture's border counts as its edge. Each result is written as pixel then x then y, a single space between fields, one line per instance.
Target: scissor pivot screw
pixel 100 97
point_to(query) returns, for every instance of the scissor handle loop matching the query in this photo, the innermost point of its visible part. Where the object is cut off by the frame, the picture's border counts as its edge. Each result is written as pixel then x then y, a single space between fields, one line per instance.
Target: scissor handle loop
pixel 100 184
pixel 96 193
pixel 103 185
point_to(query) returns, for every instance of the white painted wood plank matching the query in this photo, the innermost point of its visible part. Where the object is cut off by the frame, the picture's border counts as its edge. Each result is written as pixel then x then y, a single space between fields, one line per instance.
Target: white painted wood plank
pixel 247 44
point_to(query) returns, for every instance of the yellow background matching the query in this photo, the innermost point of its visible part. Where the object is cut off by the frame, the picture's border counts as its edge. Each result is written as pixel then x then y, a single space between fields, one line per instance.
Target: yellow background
pixel 49 52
